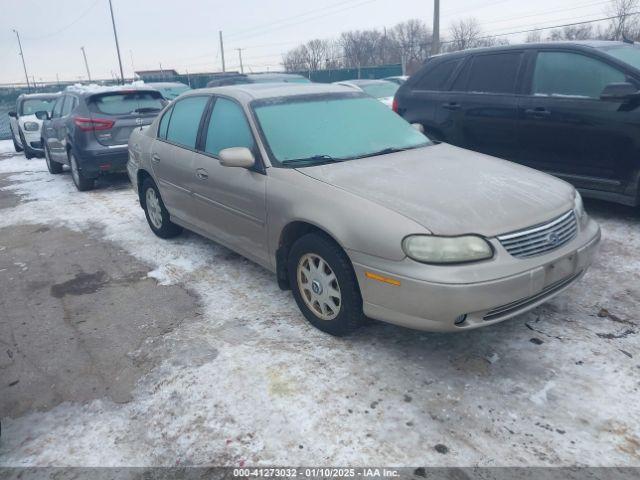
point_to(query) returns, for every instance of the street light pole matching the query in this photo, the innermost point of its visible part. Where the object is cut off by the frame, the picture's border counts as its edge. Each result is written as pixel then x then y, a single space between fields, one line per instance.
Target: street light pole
pixel 222 50
pixel 240 55
pixel 115 35
pixel 435 42
pixel 86 64
pixel 24 65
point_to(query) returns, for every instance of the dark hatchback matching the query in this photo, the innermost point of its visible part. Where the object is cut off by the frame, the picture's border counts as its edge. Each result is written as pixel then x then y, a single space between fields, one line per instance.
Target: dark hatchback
pixel 571 109
pixel 89 130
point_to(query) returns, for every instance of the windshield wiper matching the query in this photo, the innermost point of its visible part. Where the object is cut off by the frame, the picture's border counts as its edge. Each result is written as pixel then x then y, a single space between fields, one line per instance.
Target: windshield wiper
pixel 146 110
pixel 384 151
pixel 312 161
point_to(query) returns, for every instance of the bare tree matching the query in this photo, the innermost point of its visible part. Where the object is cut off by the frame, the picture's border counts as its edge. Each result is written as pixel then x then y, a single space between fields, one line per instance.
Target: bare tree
pixel 413 38
pixel 465 34
pixel 534 37
pixel 295 60
pixel 575 32
pixel 626 23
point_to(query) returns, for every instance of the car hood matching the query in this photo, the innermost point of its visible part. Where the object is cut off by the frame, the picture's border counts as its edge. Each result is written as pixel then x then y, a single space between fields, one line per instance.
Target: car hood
pixel 452 191
pixel 29 118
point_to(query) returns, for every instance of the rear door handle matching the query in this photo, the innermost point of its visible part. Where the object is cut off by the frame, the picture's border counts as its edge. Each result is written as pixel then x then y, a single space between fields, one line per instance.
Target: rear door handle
pixel 155 158
pixel 451 106
pixel 202 174
pixel 537 112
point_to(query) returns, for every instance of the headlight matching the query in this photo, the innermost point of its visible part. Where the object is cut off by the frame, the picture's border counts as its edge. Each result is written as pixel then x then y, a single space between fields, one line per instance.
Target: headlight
pixel 441 250
pixel 581 214
pixel 31 126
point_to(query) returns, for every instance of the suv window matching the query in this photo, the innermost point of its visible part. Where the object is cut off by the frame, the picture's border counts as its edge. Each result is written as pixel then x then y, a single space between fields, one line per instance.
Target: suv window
pixel 572 74
pixel 437 76
pixel 127 102
pixel 185 121
pixel 228 127
pixel 495 73
pixel 57 108
pixel 68 106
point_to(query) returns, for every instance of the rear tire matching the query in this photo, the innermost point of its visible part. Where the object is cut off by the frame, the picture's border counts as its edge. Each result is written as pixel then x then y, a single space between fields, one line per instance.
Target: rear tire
pixel 156 213
pixel 82 183
pixel 53 166
pixel 324 285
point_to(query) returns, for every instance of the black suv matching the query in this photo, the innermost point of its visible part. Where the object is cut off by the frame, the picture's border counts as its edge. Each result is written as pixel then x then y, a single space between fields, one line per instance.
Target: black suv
pixel 570 109
pixel 88 129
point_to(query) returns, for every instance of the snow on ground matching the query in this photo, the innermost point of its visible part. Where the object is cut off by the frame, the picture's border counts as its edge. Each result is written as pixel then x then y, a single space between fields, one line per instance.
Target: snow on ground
pixel 280 392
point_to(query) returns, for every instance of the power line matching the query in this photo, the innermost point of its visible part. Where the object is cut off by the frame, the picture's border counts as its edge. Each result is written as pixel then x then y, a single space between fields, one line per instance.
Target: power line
pixel 66 27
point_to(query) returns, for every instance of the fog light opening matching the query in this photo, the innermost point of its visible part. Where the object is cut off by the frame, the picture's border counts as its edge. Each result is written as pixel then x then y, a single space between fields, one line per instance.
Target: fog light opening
pixel 460 320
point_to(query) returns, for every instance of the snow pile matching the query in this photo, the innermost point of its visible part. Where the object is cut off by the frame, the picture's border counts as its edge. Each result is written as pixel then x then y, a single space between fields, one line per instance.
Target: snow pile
pixel 95 88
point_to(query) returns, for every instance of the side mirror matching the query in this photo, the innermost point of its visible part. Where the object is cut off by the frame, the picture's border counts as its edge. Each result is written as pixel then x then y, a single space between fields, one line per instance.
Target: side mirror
pixel 418 127
pixel 13 114
pixel 42 115
pixel 617 92
pixel 237 157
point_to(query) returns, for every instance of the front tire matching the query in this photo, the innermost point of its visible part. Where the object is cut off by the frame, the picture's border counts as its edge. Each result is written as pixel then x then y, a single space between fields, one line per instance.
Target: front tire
pixel 324 285
pixel 156 213
pixel 82 183
pixel 27 150
pixel 16 147
pixel 53 166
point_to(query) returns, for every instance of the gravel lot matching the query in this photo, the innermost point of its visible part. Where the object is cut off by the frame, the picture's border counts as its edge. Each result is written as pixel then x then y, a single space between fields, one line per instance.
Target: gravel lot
pixel 118 348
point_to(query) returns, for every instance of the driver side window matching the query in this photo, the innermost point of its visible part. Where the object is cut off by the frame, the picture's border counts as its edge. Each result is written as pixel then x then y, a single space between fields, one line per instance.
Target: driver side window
pixel 565 74
pixel 228 127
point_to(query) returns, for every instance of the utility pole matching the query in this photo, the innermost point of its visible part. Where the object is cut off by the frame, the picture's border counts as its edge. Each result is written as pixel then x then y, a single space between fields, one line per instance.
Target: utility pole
pixel 24 65
pixel 115 35
pixel 240 56
pixel 435 42
pixel 133 69
pixel 222 50
pixel 86 64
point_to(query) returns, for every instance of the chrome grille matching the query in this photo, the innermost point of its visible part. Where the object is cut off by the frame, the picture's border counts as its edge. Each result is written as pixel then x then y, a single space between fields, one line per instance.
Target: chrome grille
pixel 542 238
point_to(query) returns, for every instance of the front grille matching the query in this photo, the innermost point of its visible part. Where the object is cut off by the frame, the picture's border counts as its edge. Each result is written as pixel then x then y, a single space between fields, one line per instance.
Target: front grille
pixel 520 304
pixel 542 238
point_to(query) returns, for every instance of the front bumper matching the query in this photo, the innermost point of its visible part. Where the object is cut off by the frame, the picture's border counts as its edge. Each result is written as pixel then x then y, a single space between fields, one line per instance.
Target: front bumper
pixel 428 304
pixel 33 141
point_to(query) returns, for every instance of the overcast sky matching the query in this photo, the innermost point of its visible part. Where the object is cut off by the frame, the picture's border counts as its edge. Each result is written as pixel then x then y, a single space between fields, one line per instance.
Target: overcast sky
pixel 184 34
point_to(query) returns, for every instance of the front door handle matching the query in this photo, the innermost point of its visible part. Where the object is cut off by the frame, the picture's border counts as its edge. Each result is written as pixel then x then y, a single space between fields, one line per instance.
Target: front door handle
pixel 202 174
pixel 451 106
pixel 155 158
pixel 537 112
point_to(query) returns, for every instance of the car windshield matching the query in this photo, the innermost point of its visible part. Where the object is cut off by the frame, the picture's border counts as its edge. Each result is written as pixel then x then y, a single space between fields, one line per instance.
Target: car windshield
pixel 317 129
pixel 30 106
pixel 627 53
pixel 381 89
pixel 127 102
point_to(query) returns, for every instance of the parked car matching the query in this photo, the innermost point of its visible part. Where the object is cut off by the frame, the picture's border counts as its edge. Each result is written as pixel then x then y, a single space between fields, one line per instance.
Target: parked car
pixel 567 108
pixel 169 90
pixel 88 129
pixel 380 89
pixel 400 79
pixel 25 126
pixel 242 79
pixel 356 211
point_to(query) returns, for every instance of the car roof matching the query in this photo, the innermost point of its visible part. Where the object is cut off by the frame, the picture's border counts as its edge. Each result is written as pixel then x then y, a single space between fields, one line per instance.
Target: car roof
pixel 247 92
pixel 540 45
pixel 165 84
pixel 360 82
pixel 274 75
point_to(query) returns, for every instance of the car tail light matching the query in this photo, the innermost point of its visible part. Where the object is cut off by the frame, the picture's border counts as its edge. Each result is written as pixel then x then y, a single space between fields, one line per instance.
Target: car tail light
pixel 93 124
pixel 394 105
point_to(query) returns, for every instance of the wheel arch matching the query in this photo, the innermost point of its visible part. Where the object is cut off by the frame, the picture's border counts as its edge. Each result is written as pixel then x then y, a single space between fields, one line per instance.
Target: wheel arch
pixel 288 236
pixel 141 176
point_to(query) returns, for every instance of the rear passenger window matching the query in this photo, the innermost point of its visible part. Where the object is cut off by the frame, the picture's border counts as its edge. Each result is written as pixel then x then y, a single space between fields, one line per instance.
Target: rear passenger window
pixel 68 106
pixel 436 77
pixel 228 127
pixel 57 108
pixel 572 74
pixel 496 73
pixel 164 124
pixel 185 120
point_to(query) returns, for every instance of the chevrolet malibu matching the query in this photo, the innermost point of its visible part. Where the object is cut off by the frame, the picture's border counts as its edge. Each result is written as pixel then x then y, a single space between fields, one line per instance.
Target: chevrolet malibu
pixel 356 211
